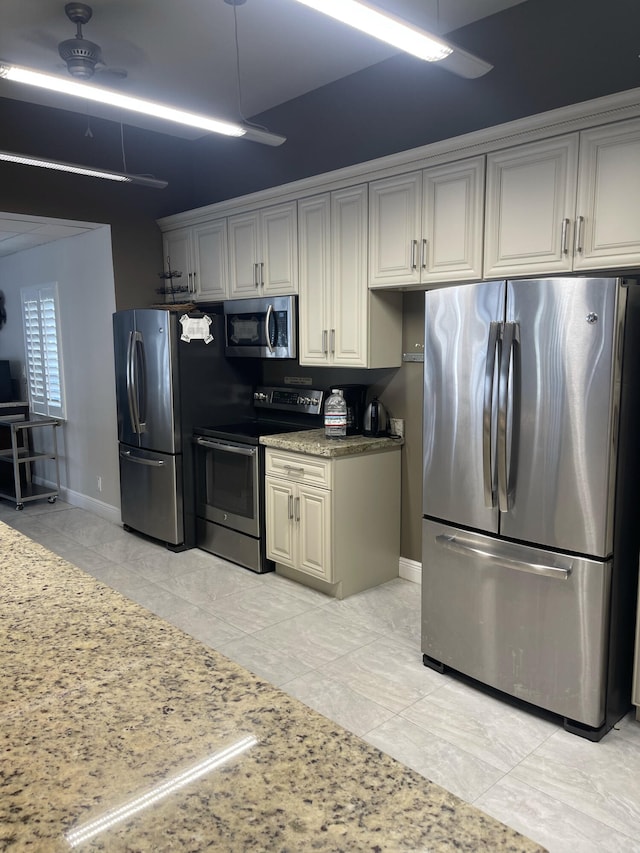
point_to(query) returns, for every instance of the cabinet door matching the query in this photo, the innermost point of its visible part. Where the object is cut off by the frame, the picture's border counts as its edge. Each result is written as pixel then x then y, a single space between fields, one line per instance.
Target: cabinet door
pixel 395 230
pixel 244 251
pixel 280 526
pixel 452 222
pixel 348 335
pixel 312 514
pixel 211 269
pixel 314 224
pixel 607 218
pixel 530 203
pixel 177 257
pixel 279 256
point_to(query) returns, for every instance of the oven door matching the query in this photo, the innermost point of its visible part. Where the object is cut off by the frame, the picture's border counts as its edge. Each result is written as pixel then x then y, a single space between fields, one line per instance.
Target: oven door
pixel 228 484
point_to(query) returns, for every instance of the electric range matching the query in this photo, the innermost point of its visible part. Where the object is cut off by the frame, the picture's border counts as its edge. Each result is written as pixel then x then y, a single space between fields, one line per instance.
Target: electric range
pixel 230 501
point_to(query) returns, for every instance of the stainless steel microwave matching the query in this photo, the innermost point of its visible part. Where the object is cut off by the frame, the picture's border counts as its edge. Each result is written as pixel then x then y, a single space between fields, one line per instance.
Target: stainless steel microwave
pixel 264 327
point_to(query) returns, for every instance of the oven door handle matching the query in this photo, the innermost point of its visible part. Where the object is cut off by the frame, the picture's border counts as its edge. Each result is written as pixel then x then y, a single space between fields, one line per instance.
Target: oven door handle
pixel 228 448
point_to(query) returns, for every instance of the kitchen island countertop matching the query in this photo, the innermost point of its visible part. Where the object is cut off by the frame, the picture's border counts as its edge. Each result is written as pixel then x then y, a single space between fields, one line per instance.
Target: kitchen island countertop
pixel 314 443
pixel 103 706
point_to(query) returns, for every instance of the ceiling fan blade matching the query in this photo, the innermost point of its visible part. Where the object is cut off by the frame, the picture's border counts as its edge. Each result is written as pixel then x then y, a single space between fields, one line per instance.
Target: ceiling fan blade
pixel 464 64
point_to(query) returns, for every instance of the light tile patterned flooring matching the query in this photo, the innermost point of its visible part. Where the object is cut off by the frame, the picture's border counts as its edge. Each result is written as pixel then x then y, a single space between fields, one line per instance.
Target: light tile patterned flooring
pixel 358 662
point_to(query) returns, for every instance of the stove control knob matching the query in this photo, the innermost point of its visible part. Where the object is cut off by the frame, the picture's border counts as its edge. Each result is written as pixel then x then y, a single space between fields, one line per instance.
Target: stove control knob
pixel 260 396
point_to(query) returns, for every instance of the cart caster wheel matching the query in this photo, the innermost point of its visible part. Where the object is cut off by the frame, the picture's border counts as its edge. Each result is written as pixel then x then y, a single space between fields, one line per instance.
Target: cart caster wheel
pixel 19 506
pixel 52 500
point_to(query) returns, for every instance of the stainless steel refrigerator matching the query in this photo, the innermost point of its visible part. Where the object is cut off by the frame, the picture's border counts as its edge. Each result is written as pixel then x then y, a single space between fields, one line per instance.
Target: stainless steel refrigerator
pixel 170 378
pixel 530 491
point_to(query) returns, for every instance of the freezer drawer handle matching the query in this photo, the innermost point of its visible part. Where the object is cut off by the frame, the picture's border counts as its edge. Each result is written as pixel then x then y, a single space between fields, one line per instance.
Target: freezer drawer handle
pixel 153 463
pixel 453 544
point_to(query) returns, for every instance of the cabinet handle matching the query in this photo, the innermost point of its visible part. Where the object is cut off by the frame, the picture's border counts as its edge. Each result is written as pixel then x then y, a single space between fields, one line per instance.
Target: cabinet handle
pixel 297 505
pixel 262 275
pixel 294 469
pixel 325 349
pixel 414 254
pixel 579 234
pixel 255 275
pixel 333 341
pixel 563 237
pixel 290 511
pixel 424 253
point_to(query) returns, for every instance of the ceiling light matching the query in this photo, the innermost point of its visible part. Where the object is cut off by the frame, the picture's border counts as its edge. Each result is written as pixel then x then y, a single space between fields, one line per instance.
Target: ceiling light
pixel 383 26
pixel 401 34
pixel 116 99
pixel 86 171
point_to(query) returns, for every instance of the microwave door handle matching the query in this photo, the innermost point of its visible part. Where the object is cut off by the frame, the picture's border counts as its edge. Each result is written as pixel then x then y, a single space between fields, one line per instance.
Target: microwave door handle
pixel 267 320
pixel 507 393
pixel 488 462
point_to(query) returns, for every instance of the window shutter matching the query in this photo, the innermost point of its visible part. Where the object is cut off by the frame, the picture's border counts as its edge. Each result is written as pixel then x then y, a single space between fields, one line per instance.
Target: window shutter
pixel 42 350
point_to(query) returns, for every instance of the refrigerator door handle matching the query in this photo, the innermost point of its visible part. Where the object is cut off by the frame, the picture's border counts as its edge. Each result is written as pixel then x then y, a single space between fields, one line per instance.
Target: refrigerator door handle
pixel 507 393
pixel 138 372
pixel 132 397
pixel 488 467
pixel 451 543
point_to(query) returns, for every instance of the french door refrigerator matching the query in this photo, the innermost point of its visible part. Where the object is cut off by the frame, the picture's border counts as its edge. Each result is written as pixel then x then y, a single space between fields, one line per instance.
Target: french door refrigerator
pixel 530 491
pixel 168 382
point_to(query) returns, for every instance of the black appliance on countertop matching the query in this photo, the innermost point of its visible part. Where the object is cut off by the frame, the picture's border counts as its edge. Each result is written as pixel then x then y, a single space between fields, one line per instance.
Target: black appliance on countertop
pixel 230 499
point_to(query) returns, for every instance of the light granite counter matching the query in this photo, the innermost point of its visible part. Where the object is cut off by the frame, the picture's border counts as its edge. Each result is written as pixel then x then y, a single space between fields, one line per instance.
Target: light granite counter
pixel 101 703
pixel 314 442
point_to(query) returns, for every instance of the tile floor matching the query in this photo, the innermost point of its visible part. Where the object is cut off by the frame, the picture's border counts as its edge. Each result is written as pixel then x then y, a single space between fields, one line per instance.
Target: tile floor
pixel 358 662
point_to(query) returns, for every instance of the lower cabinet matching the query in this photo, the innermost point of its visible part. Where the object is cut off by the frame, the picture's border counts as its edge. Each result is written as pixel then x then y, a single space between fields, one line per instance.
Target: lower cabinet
pixel 334 523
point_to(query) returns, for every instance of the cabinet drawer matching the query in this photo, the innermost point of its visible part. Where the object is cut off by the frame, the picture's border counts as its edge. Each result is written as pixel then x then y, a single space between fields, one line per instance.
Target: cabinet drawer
pixel 299 467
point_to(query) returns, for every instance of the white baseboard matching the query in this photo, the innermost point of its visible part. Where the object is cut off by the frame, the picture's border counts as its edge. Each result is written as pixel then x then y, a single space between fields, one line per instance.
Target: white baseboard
pixel 410 570
pixel 106 511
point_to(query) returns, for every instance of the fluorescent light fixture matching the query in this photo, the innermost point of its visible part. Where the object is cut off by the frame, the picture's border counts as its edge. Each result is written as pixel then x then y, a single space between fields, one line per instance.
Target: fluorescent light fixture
pixel 86 171
pixel 84 831
pixel 383 26
pixel 89 92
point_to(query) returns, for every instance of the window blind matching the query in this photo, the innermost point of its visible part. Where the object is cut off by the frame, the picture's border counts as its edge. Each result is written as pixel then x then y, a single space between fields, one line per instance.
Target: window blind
pixel 42 350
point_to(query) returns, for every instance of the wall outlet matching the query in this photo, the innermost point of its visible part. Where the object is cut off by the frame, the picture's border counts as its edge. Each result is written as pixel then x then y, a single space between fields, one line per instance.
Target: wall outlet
pixel 99 478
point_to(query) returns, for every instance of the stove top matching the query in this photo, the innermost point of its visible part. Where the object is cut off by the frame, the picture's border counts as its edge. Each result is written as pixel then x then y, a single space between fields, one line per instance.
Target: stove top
pixel 281 410
pixel 249 432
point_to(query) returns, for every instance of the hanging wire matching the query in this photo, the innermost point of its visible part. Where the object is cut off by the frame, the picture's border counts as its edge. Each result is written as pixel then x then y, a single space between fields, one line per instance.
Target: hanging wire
pixel 238 83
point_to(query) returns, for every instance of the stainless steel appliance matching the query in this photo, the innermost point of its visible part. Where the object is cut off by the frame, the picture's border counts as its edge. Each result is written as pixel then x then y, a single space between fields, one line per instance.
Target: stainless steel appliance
pixel 230 473
pixel 265 327
pixel 530 530
pixel 166 381
pixel 375 421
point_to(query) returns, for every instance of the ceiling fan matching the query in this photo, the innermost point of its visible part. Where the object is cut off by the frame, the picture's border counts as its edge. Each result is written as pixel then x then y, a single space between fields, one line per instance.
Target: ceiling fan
pixel 83 58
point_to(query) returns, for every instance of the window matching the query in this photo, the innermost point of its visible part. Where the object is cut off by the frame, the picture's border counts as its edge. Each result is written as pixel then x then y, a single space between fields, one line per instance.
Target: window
pixel 43 354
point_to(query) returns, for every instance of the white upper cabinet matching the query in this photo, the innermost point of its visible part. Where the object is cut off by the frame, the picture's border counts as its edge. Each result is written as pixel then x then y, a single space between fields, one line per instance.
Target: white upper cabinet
pixel 530 205
pixel 426 227
pixel 199 253
pixel 607 217
pixel 211 266
pixel 341 323
pixel 263 252
pixel 564 204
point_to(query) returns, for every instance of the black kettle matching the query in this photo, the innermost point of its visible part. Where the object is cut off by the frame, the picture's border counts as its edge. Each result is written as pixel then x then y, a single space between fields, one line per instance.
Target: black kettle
pixel 376 420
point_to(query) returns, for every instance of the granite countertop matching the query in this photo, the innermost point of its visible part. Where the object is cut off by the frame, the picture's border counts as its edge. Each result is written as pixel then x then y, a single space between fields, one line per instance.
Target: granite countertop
pixel 314 443
pixel 105 706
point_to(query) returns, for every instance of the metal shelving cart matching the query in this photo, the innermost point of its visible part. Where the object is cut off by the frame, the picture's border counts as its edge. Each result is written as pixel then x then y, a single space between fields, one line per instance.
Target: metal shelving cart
pixel 20 455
